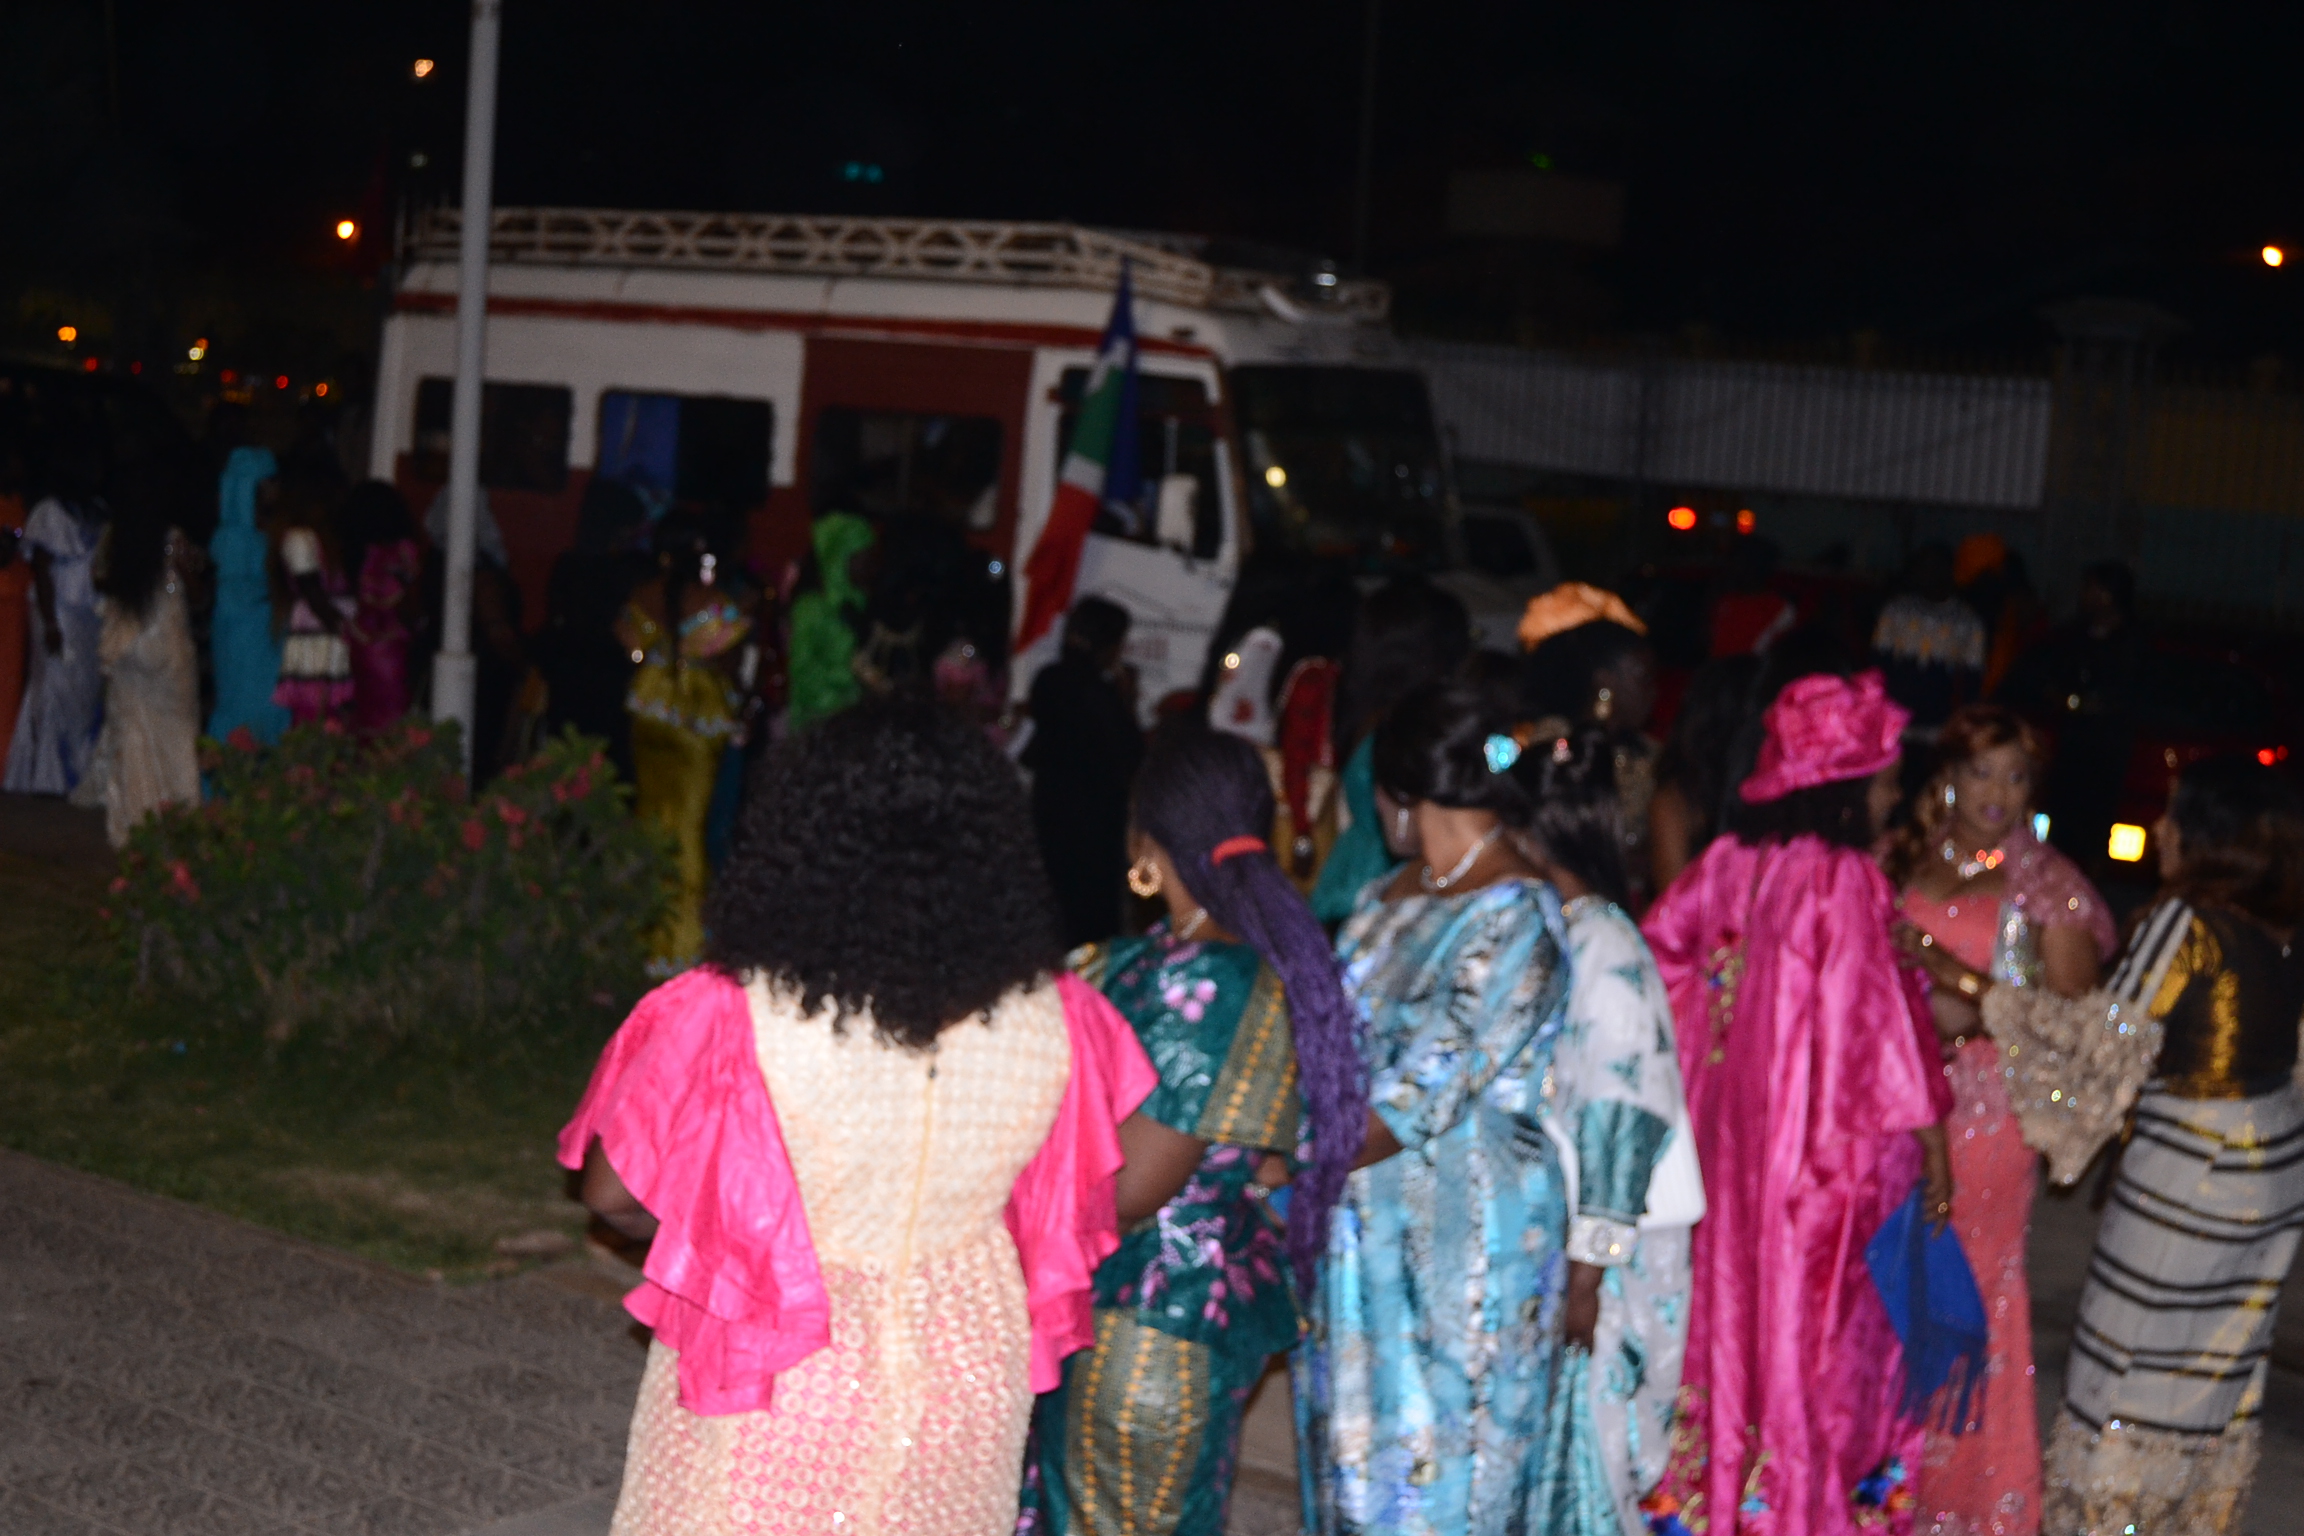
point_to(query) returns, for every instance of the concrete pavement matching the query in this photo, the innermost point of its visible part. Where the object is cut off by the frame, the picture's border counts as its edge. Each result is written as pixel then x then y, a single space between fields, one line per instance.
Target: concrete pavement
pixel 169 1372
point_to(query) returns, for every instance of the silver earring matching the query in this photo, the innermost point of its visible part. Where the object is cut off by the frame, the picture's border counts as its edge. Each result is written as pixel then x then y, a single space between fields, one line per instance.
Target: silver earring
pixel 1951 797
pixel 1400 824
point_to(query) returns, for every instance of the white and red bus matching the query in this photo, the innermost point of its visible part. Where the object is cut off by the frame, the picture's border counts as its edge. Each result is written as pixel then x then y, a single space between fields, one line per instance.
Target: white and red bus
pixel 785 367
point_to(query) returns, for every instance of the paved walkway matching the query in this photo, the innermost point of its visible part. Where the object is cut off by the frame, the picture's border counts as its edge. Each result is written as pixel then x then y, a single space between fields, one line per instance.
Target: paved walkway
pixel 168 1372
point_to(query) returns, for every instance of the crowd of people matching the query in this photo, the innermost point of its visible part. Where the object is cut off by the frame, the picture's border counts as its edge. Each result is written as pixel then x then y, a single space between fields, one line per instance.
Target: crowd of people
pixel 1610 1133
pixel 1612 1136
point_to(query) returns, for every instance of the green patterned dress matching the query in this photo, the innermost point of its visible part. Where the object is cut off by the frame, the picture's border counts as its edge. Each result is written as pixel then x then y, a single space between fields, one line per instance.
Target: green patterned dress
pixel 1142 1435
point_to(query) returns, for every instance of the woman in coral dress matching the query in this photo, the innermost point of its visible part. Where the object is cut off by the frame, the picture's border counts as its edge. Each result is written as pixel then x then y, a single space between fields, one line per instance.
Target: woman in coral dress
pixel 874 1145
pixel 1987 904
pixel 1817 1105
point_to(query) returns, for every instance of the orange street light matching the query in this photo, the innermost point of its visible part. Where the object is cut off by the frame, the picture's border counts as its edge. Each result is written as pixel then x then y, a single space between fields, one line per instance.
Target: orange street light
pixel 422 68
pixel 2274 256
pixel 346 229
pixel 1681 518
pixel 67 334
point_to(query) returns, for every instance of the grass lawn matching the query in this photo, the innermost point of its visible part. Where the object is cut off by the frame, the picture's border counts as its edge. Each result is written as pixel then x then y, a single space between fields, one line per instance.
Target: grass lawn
pixel 425 1165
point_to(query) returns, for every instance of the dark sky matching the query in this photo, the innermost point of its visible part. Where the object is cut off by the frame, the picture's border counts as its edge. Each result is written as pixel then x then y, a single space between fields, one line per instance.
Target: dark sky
pixel 1931 171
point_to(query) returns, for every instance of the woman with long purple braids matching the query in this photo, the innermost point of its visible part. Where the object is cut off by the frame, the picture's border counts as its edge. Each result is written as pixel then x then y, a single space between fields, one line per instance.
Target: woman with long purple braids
pixel 1235 997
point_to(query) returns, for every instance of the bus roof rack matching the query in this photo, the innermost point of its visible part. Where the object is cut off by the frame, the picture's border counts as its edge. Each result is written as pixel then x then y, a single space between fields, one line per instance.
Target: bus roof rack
pixel 942 250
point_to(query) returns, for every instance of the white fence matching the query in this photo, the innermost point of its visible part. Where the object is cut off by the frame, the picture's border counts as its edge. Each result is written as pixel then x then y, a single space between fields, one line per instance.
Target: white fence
pixel 1932 439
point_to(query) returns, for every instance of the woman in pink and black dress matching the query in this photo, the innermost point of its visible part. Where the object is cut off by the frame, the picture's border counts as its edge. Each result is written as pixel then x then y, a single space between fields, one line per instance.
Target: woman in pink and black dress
pixel 309 587
pixel 1985 904
pixel 387 568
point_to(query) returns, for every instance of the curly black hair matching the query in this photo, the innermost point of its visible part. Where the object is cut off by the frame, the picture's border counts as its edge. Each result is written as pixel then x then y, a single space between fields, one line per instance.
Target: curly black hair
pixel 886 863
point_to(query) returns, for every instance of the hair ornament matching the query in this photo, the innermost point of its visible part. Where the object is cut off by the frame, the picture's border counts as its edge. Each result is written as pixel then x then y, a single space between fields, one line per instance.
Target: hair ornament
pixel 1233 847
pixel 1501 751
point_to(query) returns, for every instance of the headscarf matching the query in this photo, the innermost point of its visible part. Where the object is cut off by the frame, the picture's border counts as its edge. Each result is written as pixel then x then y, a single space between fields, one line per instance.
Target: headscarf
pixel 246 469
pixel 1570 605
pixel 821 670
pixel 1979 554
pixel 1241 704
pixel 1824 729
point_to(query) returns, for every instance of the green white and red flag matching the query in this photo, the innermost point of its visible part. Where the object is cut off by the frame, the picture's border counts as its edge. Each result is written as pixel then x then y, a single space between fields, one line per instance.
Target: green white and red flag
pixel 1101 465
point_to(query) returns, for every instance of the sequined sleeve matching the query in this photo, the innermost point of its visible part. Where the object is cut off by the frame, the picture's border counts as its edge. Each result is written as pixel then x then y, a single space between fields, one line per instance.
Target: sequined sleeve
pixel 1616 1077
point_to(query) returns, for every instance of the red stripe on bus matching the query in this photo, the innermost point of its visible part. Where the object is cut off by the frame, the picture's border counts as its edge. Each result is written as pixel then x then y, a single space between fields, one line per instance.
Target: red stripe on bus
pixel 982 332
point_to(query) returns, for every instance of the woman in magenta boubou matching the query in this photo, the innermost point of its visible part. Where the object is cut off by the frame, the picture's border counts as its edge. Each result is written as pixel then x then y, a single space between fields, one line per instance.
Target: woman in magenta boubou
pixel 1817 1101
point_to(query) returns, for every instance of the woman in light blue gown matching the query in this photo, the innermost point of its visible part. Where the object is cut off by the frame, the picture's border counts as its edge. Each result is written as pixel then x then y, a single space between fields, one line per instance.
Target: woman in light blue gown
pixel 246 648
pixel 1423 1383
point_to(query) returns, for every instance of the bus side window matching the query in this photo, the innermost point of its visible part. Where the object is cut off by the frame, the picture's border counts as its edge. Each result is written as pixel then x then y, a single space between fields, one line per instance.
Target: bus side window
pixel 701 448
pixel 884 462
pixel 523 434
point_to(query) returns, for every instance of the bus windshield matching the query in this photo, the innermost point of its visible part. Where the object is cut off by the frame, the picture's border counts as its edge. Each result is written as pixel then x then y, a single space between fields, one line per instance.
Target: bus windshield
pixel 1343 462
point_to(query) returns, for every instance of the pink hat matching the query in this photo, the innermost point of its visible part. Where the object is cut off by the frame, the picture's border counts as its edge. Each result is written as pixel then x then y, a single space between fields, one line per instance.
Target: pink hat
pixel 1823 729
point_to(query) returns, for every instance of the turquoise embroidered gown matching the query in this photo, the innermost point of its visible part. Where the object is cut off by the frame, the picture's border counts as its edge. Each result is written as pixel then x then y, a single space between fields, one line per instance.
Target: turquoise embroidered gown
pixel 1143 1434
pixel 1422 1387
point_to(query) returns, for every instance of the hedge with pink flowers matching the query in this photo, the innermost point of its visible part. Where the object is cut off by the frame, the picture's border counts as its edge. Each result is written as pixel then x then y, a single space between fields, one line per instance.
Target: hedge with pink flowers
pixel 356 893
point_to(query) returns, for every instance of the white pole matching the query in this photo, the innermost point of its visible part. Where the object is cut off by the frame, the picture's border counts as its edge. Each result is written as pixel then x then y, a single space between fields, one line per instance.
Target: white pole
pixel 454 675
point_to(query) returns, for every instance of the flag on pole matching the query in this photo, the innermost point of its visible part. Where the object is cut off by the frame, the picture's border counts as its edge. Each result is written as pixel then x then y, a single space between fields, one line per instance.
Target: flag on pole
pixel 1101 467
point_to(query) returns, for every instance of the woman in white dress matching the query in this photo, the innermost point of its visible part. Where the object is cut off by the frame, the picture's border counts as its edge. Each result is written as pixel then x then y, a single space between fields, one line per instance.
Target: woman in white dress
pixel 151 671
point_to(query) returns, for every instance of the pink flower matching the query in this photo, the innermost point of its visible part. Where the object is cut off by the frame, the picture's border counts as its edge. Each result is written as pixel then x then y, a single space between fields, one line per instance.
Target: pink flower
pixel 332 726
pixel 119 884
pixel 475 833
pixel 105 913
pixel 180 876
pixel 510 814
pixel 241 739
pixel 419 737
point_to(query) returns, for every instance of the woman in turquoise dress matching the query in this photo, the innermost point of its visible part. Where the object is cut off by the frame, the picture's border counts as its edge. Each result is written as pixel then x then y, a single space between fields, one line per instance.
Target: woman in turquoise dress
pixel 1613 1105
pixel 1422 1387
pixel 247 652
pixel 1236 1001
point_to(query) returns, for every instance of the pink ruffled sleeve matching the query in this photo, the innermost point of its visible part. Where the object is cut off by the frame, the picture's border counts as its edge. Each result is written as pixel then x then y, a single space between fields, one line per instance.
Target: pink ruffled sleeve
pixel 1061 1212
pixel 679 1107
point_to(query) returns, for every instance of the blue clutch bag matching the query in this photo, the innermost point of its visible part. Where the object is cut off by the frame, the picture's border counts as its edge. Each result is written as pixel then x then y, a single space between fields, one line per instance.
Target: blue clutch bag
pixel 1931 1296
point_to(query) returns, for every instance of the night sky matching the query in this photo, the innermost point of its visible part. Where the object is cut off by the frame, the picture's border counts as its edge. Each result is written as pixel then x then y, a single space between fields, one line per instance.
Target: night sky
pixel 1792 174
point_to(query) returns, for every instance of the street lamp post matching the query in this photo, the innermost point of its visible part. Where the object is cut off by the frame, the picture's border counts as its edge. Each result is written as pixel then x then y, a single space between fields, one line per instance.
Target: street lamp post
pixel 454 673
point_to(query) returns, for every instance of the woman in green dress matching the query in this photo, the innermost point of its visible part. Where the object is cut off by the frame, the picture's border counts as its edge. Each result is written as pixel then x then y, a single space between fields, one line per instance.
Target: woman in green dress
pixel 1237 1003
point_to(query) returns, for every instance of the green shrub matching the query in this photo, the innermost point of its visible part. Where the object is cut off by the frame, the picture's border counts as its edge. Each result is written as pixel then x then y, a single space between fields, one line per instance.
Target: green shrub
pixel 355 893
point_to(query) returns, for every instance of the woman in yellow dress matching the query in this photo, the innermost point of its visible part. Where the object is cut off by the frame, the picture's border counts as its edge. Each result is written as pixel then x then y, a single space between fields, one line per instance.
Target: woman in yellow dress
pixel 684 631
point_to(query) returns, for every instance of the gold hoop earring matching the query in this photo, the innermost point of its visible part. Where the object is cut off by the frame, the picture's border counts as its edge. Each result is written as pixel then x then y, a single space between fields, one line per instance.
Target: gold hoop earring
pixel 1144 878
